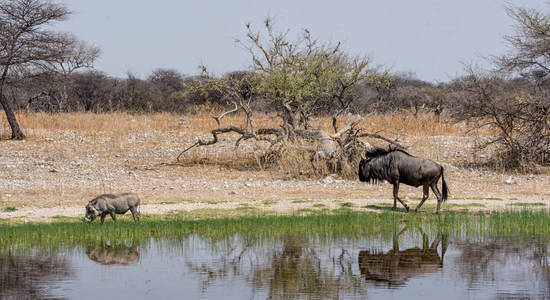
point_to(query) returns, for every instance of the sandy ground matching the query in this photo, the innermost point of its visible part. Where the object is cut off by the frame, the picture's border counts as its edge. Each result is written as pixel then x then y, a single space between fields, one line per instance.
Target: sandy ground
pixel 56 172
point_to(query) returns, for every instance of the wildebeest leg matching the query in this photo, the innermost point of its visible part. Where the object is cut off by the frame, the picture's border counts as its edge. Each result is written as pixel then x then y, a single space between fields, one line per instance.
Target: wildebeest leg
pixel 395 197
pixel 425 194
pixel 135 213
pixel 103 217
pixel 438 195
pixel 113 216
pixel 435 243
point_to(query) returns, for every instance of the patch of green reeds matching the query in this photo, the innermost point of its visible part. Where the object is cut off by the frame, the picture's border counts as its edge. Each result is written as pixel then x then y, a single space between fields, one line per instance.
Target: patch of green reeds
pixel 527 223
pixel 342 223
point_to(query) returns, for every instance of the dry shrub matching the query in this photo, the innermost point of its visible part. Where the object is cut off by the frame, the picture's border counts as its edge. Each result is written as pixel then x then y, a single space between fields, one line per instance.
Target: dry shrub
pixel 298 160
pixel 520 116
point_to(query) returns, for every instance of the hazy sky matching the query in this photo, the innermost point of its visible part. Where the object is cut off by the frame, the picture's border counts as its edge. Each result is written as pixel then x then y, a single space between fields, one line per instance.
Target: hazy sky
pixel 430 38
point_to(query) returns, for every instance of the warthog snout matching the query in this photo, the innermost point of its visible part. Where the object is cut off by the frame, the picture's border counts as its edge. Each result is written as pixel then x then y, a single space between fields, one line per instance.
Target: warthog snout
pixel 91 213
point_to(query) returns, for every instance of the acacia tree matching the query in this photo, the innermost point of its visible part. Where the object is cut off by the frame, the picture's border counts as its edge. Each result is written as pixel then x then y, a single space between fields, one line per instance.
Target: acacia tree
pixel 304 76
pixel 298 79
pixel 529 45
pixel 26 45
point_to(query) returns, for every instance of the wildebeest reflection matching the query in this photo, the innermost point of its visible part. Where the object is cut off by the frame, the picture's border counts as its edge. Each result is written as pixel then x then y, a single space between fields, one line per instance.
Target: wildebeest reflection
pixel 395 266
pixel 113 255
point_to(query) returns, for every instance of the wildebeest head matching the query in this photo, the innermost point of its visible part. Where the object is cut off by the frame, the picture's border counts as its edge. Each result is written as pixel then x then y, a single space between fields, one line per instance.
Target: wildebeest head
pixel 91 212
pixel 364 170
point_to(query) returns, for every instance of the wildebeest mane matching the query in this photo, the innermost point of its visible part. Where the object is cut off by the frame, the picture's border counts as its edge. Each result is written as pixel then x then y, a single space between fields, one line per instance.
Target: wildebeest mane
pixel 376 152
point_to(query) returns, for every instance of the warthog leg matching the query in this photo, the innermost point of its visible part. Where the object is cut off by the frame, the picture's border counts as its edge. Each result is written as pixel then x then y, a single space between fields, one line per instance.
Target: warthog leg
pixel 103 217
pixel 425 194
pixel 113 215
pixel 395 197
pixel 437 194
pixel 135 213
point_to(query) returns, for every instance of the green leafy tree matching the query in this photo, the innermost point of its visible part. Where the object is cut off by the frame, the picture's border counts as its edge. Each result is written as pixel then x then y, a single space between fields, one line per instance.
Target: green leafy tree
pixel 304 76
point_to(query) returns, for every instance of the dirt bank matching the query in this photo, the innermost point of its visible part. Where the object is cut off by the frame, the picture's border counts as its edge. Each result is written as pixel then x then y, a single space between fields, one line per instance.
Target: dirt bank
pixel 56 172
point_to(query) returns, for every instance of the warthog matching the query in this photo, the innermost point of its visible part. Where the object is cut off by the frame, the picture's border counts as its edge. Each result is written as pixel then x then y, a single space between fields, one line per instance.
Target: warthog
pixel 111 204
pixel 397 166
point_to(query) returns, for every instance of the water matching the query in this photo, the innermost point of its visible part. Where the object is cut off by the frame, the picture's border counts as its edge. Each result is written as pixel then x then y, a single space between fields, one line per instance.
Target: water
pixel 412 264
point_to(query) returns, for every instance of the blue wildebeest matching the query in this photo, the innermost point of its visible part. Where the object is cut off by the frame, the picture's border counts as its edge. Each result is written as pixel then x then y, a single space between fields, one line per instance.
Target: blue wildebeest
pixel 397 166
pixel 111 204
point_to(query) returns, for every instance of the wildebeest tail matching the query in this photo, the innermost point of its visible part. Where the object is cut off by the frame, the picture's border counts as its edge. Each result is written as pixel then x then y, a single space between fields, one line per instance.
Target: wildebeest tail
pixel 444 188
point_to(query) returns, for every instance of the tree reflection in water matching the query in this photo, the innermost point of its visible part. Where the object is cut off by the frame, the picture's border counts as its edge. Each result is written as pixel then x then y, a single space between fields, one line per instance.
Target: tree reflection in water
pixel 497 260
pixel 297 269
pixel 290 269
pixel 396 266
pixel 27 277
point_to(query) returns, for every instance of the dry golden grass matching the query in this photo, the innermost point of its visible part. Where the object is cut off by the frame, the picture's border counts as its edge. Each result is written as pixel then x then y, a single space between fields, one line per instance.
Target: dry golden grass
pixel 202 122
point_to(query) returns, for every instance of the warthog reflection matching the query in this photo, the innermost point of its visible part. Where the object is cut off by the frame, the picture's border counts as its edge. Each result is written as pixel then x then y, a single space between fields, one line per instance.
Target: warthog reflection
pixel 113 255
pixel 395 267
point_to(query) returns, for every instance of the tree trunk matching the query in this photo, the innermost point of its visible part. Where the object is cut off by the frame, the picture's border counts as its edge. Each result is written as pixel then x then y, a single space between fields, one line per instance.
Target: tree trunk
pixel 16 133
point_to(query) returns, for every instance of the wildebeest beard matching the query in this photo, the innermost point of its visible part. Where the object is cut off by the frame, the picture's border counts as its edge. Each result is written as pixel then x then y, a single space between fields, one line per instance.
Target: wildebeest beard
pixel 374 170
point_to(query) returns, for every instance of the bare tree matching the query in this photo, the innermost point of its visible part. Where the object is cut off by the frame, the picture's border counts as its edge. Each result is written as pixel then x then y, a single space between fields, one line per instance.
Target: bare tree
pixel 76 55
pixel 521 114
pixel 26 43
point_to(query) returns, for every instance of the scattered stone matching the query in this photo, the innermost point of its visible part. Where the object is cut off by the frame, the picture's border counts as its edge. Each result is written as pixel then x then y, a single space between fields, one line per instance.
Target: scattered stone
pixel 510 180
pixel 328 180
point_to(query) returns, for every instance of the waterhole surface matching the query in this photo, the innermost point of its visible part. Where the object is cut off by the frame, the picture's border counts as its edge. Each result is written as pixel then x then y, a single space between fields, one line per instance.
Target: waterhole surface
pixel 411 263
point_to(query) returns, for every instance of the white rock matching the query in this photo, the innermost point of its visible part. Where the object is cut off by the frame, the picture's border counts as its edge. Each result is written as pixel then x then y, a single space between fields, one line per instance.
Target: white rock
pixel 328 180
pixel 509 180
